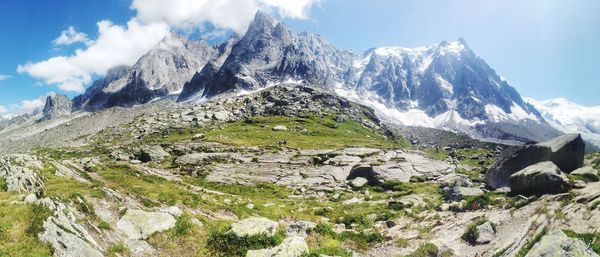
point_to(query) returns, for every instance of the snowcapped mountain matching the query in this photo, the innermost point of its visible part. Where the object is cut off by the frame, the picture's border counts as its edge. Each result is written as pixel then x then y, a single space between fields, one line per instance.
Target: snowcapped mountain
pixel 161 72
pixel 270 53
pixel 570 117
pixel 444 86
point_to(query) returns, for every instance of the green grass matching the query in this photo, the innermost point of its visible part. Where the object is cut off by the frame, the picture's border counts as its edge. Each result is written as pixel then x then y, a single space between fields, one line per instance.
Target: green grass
pixel 152 190
pixel 361 240
pixel 19 226
pixel 329 251
pixel 593 240
pixel 428 250
pixel 118 248
pixel 223 242
pixel 530 243
pixel 104 225
pixel 183 225
pixel 3 185
pixel 312 132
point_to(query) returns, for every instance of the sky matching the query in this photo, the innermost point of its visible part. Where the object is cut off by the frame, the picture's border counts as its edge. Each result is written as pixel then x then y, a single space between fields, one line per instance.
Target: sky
pixel 545 49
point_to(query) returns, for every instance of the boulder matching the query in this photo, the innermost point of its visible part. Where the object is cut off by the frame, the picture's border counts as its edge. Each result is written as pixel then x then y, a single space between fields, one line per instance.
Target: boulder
pixel 556 243
pixel 485 233
pixel 299 228
pixel 359 182
pixel 407 201
pixel 365 171
pixel 458 193
pixel 198 137
pixel 565 151
pixel 280 128
pixel 254 226
pixel 540 178
pixel 139 224
pixel 290 247
pixel 150 153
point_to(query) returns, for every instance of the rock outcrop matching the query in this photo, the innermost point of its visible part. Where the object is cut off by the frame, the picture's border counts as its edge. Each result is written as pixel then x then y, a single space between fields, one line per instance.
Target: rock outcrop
pixel 540 178
pixel 565 151
pixel 254 226
pixel 556 243
pixel 139 224
pixel 18 172
pixel 57 105
pixel 66 237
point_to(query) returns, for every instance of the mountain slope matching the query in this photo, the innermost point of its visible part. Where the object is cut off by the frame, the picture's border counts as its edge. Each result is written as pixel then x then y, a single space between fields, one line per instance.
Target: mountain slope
pixel 570 117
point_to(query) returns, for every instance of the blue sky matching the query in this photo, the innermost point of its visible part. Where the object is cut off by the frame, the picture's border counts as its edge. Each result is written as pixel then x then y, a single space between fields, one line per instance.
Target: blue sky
pixel 545 49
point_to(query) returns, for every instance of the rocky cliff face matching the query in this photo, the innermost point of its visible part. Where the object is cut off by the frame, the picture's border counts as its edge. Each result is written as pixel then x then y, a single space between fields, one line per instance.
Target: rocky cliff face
pixel 57 105
pixel 271 53
pixel 161 72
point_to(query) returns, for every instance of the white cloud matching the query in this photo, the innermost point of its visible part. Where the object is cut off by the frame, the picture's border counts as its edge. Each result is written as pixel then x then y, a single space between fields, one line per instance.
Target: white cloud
pixel 3 109
pixel 224 14
pixel 71 36
pixel 4 77
pixel 115 45
pixel 124 45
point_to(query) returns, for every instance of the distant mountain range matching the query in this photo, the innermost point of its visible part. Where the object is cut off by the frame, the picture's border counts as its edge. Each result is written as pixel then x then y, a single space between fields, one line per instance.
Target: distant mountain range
pixel 570 117
pixel 445 86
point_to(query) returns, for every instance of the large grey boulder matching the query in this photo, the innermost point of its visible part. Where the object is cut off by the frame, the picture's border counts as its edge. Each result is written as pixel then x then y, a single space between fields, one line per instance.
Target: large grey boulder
pixel 254 226
pixel 299 228
pixel 365 171
pixel 291 247
pixel 566 151
pixel 556 243
pixel 540 178
pixel 149 153
pixel 139 224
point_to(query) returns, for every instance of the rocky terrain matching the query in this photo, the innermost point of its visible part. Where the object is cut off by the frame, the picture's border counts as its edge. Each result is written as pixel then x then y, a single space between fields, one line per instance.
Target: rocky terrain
pixel 290 170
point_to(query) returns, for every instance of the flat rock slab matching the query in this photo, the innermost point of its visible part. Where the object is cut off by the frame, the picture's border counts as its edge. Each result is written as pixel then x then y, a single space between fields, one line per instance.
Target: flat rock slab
pixel 254 226
pixel 138 224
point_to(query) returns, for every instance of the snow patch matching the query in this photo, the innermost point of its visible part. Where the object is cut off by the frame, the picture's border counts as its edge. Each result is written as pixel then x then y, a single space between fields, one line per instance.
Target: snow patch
pixel 570 117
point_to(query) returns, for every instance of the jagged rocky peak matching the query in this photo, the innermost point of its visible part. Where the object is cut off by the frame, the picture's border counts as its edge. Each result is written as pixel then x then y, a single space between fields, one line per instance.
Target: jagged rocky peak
pixel 57 105
pixel 161 72
pixel 271 53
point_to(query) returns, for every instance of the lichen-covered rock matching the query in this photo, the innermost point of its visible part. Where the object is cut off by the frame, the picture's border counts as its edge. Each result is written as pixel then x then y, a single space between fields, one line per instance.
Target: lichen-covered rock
pixel 291 247
pixel 139 224
pixel 66 237
pixel 485 233
pixel 254 226
pixel 541 178
pixel 151 153
pixel 556 243
pixel 299 228
pixel 19 176
pixel 459 193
